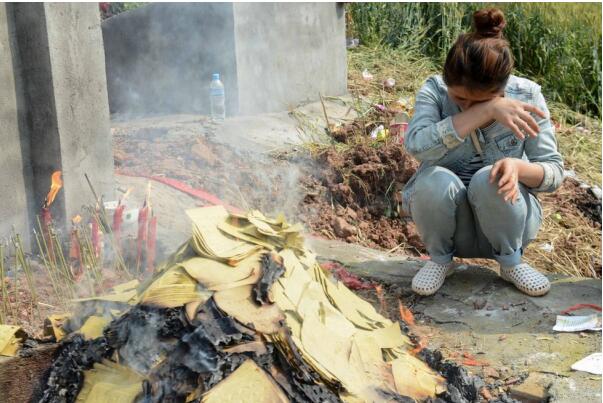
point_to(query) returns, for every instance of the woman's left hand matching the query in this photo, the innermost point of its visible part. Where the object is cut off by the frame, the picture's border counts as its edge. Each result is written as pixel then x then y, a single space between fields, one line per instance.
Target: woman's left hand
pixel 508 184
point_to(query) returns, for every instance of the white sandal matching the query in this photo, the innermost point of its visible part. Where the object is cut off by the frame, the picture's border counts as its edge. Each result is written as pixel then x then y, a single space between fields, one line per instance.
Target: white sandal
pixel 430 278
pixel 527 279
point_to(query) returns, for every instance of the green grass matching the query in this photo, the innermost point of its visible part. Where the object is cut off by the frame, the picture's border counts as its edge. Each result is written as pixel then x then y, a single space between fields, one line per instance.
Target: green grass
pixel 556 44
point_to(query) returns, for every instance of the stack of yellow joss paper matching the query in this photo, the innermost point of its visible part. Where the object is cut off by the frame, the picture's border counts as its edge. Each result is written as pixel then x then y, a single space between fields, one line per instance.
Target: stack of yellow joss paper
pixel 307 316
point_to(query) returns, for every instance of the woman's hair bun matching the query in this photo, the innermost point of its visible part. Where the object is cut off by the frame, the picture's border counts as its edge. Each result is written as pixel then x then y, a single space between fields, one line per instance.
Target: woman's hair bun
pixel 489 23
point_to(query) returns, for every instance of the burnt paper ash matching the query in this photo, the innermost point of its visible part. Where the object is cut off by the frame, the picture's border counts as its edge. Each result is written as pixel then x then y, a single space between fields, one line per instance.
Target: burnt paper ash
pixel 67 371
pixel 198 357
pixel 462 387
pixel 272 269
pixel 144 334
pixel 301 383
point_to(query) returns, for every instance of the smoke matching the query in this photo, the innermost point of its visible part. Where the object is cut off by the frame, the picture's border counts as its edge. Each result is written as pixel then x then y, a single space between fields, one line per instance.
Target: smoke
pixel 160 58
pixel 159 62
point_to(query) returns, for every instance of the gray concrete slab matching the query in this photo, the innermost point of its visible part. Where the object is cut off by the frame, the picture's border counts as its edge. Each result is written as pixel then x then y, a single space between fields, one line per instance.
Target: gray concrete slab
pixel 160 57
pixel 479 314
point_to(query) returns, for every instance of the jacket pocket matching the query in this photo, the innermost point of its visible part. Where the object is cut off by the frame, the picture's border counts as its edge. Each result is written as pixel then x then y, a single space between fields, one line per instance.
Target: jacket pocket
pixel 509 145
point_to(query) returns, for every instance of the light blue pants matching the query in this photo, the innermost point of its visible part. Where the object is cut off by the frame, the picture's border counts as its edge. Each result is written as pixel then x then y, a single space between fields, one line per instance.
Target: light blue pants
pixel 469 222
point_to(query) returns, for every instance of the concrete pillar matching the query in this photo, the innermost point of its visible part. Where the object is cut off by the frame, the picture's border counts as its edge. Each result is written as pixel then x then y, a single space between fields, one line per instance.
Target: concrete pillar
pixel 66 115
pixel 14 180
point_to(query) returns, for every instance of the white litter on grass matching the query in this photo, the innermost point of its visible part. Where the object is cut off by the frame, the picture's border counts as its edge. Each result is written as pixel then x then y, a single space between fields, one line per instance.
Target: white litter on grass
pixel 375 132
pixel 366 75
pixel 577 323
pixel 389 83
pixel 547 247
pixel 569 173
pixel 591 364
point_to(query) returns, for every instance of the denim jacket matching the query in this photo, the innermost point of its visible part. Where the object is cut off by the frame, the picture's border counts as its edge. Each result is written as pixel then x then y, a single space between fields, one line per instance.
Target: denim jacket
pixel 432 139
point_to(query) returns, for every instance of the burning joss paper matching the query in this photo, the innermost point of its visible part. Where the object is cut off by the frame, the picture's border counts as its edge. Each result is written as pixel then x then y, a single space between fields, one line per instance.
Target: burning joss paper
pixel 243 312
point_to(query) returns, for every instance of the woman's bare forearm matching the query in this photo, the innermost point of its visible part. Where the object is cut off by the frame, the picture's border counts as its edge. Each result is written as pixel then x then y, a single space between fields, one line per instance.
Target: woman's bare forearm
pixel 467 121
pixel 529 174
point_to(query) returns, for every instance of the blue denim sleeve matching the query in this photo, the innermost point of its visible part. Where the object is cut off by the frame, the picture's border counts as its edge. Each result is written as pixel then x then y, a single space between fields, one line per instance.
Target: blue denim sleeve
pixel 542 149
pixel 429 137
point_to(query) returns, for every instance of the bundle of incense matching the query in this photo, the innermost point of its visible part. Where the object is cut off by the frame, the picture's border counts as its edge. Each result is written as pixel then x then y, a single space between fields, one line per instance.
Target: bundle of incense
pixel 95 235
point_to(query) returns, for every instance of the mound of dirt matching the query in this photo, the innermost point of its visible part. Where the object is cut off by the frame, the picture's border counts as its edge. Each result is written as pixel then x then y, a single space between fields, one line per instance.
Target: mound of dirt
pixel 586 202
pixel 356 197
pixel 366 176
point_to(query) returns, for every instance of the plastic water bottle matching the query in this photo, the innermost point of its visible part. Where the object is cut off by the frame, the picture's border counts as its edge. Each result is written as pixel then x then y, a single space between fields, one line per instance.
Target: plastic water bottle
pixel 216 98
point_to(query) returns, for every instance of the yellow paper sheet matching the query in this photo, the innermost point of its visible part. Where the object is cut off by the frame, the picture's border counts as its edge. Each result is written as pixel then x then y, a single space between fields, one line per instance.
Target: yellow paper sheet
pixel 172 289
pixel 210 241
pixel 93 327
pixel 215 275
pixel 108 382
pixel 11 338
pixel 248 383
pixel 239 303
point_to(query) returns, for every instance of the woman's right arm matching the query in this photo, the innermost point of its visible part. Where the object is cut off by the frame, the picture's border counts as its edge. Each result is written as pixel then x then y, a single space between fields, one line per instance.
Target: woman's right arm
pixel 429 137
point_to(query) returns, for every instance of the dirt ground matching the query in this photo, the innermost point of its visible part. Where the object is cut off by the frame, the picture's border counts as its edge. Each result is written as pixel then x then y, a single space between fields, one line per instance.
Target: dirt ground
pixel 348 190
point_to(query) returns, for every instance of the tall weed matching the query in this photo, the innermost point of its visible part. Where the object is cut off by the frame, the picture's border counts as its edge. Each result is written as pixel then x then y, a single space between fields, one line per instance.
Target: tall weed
pixel 556 44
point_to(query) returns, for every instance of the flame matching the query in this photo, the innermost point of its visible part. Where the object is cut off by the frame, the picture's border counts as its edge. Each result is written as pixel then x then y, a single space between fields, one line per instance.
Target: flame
pixel 76 219
pixel 56 184
pixel 419 347
pixel 406 314
pixel 381 298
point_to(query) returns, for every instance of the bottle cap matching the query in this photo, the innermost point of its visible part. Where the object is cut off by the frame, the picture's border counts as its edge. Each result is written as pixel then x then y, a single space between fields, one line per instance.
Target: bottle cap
pixel 215 76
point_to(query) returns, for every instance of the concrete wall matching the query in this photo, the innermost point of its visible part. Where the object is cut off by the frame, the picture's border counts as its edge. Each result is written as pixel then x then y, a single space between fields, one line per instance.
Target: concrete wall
pixel 160 57
pixel 288 53
pixel 271 56
pixel 81 102
pixel 53 110
pixel 13 178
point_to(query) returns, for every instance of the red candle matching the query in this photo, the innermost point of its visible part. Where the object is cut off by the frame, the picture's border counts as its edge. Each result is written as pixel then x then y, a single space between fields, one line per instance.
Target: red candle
pixel 117 221
pixel 151 242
